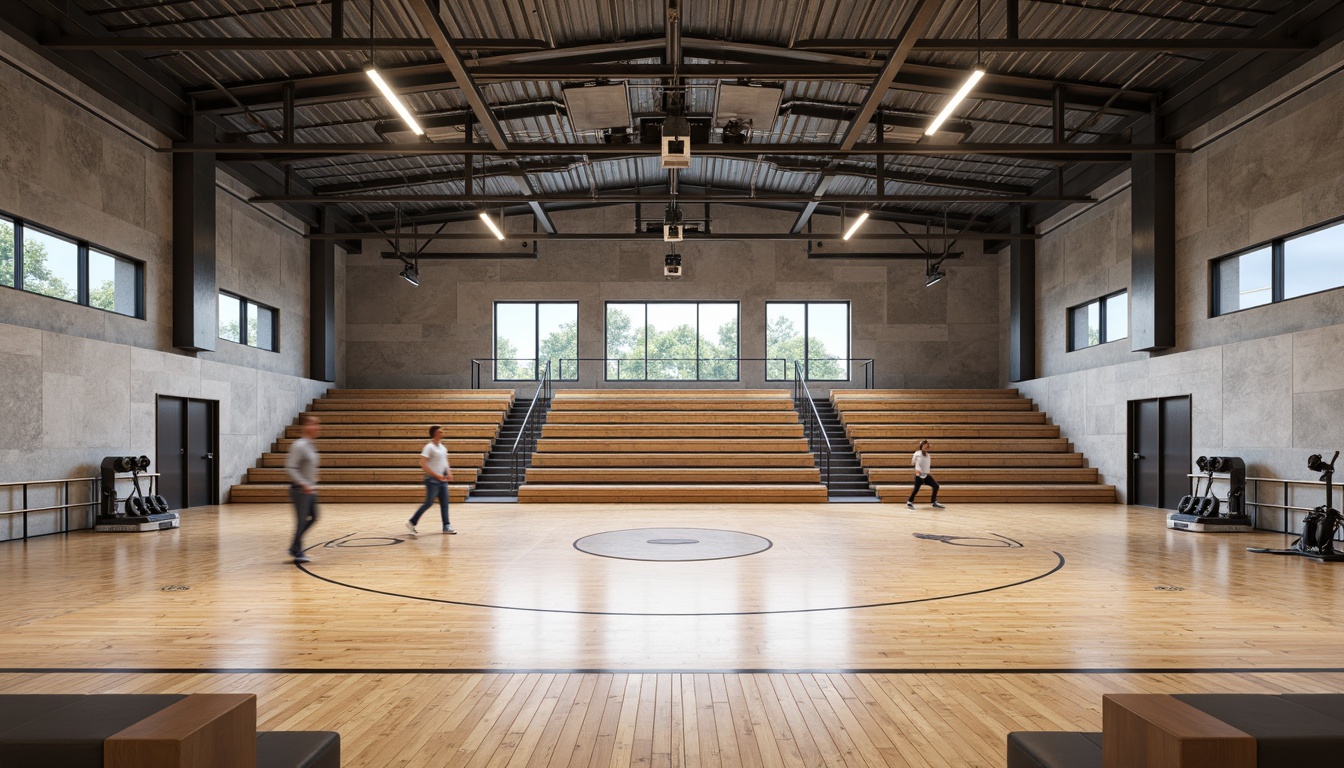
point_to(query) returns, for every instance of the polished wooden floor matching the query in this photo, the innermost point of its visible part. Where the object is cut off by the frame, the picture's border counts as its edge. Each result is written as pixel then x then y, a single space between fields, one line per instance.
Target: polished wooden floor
pixel 866 635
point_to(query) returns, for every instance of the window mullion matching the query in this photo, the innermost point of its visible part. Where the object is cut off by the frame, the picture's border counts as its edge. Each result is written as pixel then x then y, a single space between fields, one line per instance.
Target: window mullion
pixel 1276 279
pixel 18 254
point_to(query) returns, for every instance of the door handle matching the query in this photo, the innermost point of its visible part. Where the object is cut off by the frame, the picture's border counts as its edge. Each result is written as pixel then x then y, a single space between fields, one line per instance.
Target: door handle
pixel 1138 456
pixel 209 456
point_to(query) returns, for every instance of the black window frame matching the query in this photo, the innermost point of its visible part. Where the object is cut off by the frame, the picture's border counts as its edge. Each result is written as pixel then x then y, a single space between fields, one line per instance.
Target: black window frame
pixel 1101 319
pixel 243 301
pixel 606 372
pixel 807 339
pixel 82 248
pixel 1277 252
pixel 536 335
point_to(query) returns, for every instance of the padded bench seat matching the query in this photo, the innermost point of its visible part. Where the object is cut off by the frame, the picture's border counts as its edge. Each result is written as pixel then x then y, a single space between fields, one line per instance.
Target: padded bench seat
pixel 71 735
pixel 1289 730
pixel 1054 749
pixel 70 731
pixel 298 749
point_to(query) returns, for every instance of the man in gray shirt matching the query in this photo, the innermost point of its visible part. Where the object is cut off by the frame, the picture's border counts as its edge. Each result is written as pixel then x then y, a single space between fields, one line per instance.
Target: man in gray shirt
pixel 301 465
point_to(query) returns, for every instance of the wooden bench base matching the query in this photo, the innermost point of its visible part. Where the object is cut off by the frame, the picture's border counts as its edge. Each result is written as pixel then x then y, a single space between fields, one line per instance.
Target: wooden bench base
pixel 337 476
pixel 1008 475
pixel 685 476
pixel 675 494
pixel 650 460
pixel 1077 493
pixel 398 493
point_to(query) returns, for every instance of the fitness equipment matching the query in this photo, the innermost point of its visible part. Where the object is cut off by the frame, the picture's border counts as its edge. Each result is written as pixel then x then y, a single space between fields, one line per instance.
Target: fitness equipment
pixel 138 512
pixel 1322 523
pixel 1201 513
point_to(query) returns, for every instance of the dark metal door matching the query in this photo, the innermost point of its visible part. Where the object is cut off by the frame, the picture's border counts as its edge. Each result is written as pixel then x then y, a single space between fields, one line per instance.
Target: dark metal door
pixel 200 453
pixel 1176 459
pixel 1145 453
pixel 169 460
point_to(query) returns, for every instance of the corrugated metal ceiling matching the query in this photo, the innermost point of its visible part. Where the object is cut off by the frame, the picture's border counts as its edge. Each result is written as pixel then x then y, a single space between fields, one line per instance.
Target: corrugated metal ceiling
pixel 778 23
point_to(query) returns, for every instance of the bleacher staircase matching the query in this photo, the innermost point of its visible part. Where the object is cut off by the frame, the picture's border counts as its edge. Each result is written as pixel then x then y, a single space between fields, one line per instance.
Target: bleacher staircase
pixel 988 445
pixel 371 441
pixel 664 445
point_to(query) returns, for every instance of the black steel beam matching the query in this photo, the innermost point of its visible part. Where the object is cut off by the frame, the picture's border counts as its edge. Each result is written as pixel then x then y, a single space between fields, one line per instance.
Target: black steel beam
pixel 1066 45
pixel 195 290
pixel 633 236
pixel 599 58
pixel 1021 299
pixel 1152 282
pixel 156 43
pixel 916 21
pixel 427 12
pixel 322 302
pixel 724 150
pixel 654 197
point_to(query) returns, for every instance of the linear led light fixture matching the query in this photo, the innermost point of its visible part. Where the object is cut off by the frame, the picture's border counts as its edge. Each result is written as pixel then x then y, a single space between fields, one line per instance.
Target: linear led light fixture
pixel 855 226
pixel 494 228
pixel 392 99
pixel 957 98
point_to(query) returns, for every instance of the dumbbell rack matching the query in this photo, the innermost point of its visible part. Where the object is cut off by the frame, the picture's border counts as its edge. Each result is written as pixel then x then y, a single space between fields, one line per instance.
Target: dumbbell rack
pixel 126 523
pixel 1230 522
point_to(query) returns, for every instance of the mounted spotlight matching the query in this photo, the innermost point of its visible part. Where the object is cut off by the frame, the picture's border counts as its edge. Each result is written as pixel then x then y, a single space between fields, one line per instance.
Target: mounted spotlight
pixel 410 271
pixel 934 272
pixel 676 142
pixel 672 266
pixel 616 136
pixel 673 230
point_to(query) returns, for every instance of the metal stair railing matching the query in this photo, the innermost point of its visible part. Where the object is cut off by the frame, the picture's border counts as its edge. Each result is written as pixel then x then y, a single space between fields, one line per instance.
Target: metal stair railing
pixel 812 425
pixel 530 430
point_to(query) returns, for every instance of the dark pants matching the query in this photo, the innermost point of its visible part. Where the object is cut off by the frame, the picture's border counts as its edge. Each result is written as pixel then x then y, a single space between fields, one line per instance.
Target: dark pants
pixel 305 511
pixel 925 480
pixel 433 488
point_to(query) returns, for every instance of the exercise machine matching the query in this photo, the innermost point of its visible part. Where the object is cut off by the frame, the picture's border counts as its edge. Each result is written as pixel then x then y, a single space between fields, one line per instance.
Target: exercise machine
pixel 1322 524
pixel 138 511
pixel 1204 513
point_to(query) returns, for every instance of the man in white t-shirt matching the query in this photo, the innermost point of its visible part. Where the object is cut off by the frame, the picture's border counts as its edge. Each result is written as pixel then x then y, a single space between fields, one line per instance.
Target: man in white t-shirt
pixel 434 461
pixel 922 463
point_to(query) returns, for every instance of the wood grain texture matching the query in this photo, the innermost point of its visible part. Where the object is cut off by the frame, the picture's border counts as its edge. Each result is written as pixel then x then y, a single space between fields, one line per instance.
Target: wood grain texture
pixel 1158 731
pixel 422 683
pixel 204 730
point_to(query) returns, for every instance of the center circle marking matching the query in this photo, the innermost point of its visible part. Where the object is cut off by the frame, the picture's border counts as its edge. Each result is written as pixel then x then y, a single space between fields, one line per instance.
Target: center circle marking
pixel 672 544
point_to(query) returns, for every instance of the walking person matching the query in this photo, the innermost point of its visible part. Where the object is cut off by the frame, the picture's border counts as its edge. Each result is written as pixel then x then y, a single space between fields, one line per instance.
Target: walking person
pixel 922 462
pixel 301 464
pixel 434 461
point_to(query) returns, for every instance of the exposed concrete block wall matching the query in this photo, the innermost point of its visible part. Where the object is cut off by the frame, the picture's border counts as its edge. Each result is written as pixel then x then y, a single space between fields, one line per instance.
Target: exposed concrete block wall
pixel 80 382
pixel 1267 384
pixel 943 336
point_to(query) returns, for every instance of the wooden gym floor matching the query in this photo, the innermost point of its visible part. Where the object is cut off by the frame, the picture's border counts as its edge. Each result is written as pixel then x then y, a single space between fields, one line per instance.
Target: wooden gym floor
pixel 850 642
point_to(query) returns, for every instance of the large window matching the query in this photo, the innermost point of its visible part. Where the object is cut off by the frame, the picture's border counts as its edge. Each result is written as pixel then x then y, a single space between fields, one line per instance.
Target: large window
pixel 6 252
pixel 39 261
pixel 816 333
pixel 1099 321
pixel 672 341
pixel 243 321
pixel 530 333
pixel 1288 267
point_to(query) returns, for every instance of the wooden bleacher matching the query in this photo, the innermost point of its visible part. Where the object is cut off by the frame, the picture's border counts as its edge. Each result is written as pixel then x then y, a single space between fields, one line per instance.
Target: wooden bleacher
pixel 371 441
pixel 989 445
pixel 630 446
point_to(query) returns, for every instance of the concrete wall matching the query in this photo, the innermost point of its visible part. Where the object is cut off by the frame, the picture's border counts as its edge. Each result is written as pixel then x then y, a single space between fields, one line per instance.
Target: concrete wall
pixel 943 336
pixel 1267 384
pixel 80 383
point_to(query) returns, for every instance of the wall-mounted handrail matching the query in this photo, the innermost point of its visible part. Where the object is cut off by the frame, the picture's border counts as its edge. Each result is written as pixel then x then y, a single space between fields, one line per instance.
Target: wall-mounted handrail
pixel 95 500
pixel 812 425
pixel 526 442
pixel 1255 503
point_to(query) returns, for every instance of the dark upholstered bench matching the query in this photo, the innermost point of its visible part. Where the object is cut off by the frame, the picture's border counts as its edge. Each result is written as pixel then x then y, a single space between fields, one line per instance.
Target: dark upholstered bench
pixel 1265 731
pixel 73 731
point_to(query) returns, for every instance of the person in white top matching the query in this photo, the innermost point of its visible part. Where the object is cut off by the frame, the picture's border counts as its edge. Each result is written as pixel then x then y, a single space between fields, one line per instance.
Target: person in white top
pixel 923 462
pixel 434 461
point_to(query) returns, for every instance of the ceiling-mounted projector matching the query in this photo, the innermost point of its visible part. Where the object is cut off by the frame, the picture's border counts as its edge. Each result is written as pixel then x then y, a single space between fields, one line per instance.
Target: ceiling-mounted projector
pixel 676 143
